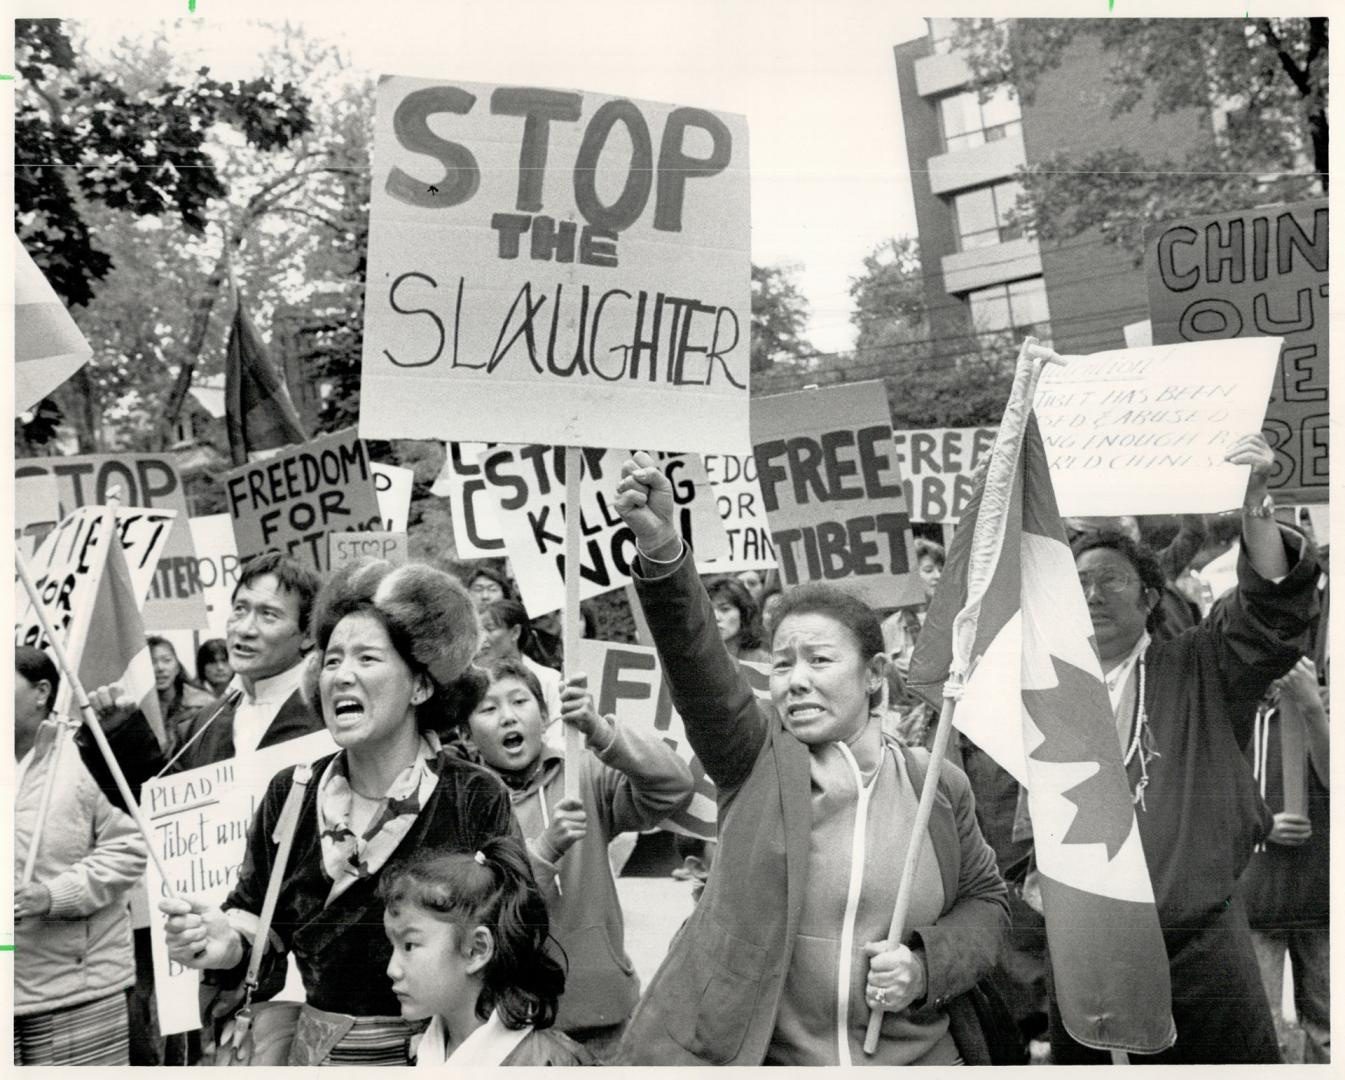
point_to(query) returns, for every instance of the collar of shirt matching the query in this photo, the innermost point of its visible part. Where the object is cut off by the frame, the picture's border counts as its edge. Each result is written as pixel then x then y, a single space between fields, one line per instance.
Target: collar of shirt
pixel 272 690
pixel 1116 679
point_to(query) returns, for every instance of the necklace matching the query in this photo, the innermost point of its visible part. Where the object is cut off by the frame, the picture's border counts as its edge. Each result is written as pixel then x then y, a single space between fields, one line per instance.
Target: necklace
pixel 1139 743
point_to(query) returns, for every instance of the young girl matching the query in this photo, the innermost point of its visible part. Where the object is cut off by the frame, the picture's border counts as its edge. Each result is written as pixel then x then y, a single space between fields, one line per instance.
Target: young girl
pixel 469 937
pixel 629 781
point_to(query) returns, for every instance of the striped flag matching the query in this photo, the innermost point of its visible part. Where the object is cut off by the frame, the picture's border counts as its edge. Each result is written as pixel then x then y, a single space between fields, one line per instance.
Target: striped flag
pixel 258 411
pixel 114 647
pixel 1010 620
pixel 48 346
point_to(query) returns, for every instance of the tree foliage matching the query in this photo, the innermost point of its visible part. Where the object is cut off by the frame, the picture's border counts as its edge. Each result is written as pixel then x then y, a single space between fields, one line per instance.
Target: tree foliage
pixel 81 137
pixel 1269 76
pixel 779 317
pixel 931 381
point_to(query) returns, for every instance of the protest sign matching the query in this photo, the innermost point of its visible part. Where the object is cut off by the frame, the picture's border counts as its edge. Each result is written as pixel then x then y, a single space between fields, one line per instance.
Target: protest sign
pixel 738 499
pixel 528 483
pixel 217 566
pixel 392 486
pixel 1245 273
pixel 291 501
pixel 833 493
pixel 627 682
pixel 200 821
pixel 352 547
pixel 37 509
pixel 65 568
pixel 1144 431
pixel 476 532
pixel 937 465
pixel 150 481
pixel 557 267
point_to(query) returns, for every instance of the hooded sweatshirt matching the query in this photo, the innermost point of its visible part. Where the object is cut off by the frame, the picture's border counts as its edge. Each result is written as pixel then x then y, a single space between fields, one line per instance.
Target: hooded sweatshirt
pixel 632 785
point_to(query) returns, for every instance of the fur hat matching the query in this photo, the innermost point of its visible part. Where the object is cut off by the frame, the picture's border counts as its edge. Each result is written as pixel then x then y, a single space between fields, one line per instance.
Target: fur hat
pixel 429 615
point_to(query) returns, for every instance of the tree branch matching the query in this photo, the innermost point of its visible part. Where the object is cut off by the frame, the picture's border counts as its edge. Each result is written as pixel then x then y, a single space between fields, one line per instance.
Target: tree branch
pixel 1297 77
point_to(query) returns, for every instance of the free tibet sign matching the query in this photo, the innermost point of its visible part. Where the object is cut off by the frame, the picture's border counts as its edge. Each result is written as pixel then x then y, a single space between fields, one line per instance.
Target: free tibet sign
pixel 556 267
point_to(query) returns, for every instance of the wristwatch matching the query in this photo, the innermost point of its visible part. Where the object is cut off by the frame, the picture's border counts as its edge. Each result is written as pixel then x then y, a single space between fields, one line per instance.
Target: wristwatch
pixel 1264 509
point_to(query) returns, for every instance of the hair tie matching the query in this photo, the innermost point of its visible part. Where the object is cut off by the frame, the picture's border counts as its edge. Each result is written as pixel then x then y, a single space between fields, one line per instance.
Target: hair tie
pixel 480 859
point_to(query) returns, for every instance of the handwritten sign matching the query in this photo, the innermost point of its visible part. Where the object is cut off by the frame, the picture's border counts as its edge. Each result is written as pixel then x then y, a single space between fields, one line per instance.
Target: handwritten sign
pixel 217 566
pixel 37 508
pixel 1248 273
pixel 555 266
pixel 199 820
pixel 627 682
pixel 1144 431
pixel 350 547
pixel 738 499
pixel 832 490
pixel 529 487
pixel 471 506
pixel 63 566
pixel 937 465
pixel 392 486
pixel 291 501
pixel 150 481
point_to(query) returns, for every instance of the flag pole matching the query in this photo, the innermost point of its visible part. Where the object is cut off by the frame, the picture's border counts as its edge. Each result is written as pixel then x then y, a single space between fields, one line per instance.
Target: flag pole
pixel 952 691
pixel 571 623
pixel 87 712
pixel 44 804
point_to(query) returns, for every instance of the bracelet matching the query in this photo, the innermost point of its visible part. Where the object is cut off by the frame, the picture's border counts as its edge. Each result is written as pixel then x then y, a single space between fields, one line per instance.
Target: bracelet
pixel 660 562
pixel 1264 509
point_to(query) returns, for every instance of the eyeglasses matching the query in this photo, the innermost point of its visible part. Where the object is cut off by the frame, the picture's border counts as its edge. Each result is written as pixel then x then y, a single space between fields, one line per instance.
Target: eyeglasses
pixel 1114 582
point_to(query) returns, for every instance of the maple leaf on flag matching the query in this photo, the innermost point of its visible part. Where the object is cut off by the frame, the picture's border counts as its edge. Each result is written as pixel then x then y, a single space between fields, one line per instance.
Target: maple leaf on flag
pixel 1104 815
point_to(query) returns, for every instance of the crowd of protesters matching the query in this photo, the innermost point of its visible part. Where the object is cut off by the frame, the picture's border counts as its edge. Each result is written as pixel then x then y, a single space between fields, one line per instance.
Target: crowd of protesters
pixel 445 901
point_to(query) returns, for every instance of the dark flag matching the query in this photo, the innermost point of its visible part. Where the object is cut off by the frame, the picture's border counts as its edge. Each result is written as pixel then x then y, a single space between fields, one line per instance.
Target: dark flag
pixel 257 408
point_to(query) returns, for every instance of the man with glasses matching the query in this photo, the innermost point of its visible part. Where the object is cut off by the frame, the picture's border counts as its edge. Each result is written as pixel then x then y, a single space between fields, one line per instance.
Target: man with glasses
pixel 1184 711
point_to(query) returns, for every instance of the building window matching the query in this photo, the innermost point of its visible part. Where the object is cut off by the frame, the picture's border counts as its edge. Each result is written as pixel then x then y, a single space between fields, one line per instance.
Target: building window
pixel 983 215
pixel 1016 306
pixel 966 122
pixel 941 33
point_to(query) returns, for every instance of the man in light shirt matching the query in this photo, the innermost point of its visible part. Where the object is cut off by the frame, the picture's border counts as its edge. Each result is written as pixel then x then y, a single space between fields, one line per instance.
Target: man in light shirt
pixel 268 638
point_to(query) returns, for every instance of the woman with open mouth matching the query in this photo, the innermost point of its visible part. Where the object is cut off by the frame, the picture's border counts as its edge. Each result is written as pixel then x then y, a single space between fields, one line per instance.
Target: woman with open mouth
pixel 786 954
pixel 392 646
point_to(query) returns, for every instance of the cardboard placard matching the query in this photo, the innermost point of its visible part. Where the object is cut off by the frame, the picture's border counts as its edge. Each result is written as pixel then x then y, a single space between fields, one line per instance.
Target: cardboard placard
pixel 291 501
pixel 352 547
pixel 1247 273
pixel 559 267
pixel 392 485
pixel 1144 431
pixel 738 498
pixel 627 682
pixel 833 492
pixel 63 567
pixel 217 566
pixel 200 821
pixel 150 481
pixel 476 532
pixel 937 466
pixel 529 488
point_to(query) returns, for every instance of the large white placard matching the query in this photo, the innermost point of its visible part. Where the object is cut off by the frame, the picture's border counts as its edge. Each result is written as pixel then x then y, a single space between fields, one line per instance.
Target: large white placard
pixel 200 821
pixel 1144 431
pixel 471 506
pixel 392 488
pixel 558 267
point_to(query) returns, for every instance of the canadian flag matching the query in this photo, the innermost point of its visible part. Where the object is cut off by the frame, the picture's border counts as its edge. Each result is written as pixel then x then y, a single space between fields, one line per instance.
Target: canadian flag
pixel 1008 624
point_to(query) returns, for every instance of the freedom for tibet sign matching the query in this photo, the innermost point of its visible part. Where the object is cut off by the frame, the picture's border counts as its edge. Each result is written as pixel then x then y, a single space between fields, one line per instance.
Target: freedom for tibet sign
pixel 558 267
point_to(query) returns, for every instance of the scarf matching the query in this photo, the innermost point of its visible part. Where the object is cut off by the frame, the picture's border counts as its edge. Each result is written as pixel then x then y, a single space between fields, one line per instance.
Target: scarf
pixel 348 857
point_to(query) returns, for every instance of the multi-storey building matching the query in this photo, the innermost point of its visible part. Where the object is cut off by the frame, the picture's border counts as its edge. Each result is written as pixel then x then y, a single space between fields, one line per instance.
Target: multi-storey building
pixel 981 274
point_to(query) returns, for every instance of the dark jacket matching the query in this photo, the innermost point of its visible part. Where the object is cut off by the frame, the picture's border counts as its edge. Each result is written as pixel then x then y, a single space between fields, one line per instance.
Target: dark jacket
pixel 216 742
pixel 342 950
pixel 715 999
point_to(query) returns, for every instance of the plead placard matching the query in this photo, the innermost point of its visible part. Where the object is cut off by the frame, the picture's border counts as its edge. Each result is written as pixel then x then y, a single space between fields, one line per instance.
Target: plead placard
pixel 558 267
pixel 1144 431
